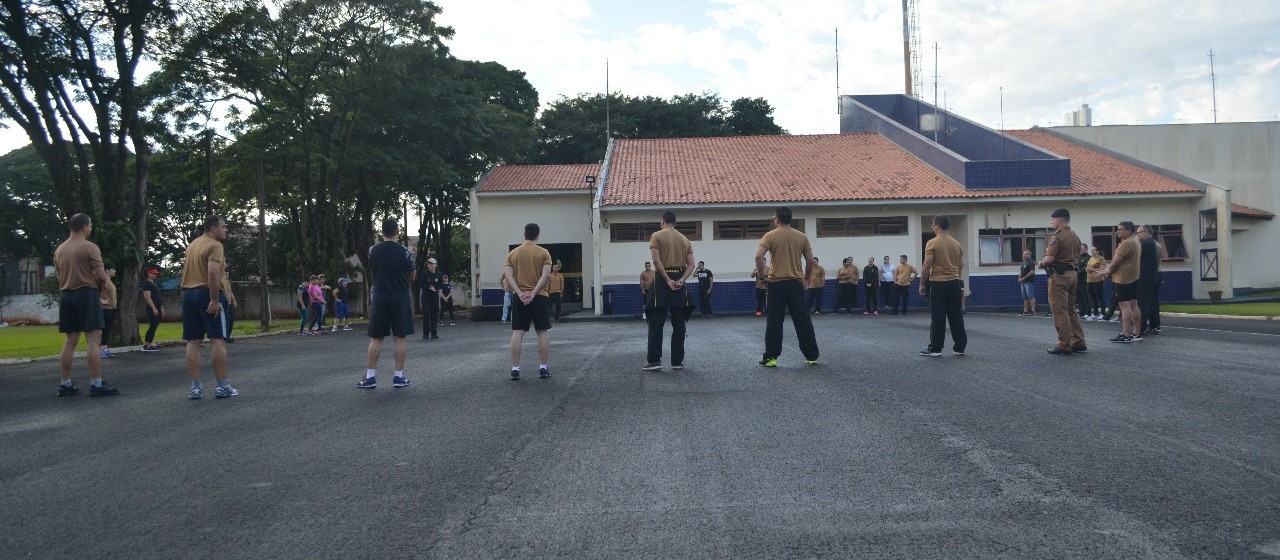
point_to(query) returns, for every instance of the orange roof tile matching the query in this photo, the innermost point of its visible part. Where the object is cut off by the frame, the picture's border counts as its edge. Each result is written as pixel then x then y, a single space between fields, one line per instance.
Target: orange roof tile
pixel 1248 212
pixel 833 167
pixel 512 178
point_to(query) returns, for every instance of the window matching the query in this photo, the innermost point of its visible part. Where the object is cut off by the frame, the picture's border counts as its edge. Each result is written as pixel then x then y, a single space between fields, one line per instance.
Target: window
pixel 1208 225
pixel 860 227
pixel 642 231
pixel 749 229
pixel 1169 237
pixel 1005 246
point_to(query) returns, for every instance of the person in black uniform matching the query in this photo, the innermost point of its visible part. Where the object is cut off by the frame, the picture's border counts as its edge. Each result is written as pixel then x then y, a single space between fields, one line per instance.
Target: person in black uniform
pixel 429 283
pixel 1082 281
pixel 870 287
pixel 1149 281
pixel 705 279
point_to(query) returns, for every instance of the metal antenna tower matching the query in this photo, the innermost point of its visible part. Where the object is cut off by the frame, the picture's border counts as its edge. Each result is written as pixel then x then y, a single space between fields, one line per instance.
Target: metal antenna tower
pixel 1213 81
pixel 913 23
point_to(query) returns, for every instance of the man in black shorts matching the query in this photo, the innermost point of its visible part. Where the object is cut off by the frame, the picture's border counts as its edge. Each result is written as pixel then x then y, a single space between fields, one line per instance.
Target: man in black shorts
pixel 392 268
pixel 528 268
pixel 204 305
pixel 81 278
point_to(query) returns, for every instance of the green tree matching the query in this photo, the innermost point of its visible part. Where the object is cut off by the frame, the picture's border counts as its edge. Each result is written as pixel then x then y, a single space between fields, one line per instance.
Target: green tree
pixel 69 80
pixel 27 208
pixel 751 116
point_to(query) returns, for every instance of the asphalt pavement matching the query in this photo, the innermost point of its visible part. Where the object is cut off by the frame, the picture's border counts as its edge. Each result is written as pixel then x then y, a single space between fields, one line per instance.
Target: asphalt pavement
pixel 1166 448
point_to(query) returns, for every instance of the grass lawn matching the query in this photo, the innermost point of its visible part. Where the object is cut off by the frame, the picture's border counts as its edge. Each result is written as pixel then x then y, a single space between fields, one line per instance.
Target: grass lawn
pixel 1237 309
pixel 45 340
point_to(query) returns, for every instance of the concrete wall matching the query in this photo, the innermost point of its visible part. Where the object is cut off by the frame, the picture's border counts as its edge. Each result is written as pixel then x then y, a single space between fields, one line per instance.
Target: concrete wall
pixel 498 220
pixel 1241 157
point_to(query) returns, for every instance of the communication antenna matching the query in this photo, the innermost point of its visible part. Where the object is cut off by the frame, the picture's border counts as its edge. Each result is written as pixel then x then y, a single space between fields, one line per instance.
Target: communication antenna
pixel 839 110
pixel 914 11
pixel 935 92
pixel 608 129
pixel 1213 81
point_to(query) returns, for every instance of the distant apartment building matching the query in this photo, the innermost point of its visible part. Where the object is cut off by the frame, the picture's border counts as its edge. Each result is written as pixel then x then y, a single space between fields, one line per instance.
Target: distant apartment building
pixel 1079 117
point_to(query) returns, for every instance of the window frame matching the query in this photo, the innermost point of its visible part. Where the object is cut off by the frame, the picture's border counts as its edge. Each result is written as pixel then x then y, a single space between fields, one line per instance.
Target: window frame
pixel 643 230
pixel 751 229
pixel 1023 234
pixel 1161 234
pixel 877 225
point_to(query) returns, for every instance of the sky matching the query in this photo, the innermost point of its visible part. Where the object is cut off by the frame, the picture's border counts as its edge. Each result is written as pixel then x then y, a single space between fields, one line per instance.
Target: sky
pixel 1132 61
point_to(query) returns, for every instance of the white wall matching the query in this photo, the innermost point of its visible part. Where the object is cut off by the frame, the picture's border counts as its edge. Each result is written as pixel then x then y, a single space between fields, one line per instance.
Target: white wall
pixel 1242 157
pixel 498 220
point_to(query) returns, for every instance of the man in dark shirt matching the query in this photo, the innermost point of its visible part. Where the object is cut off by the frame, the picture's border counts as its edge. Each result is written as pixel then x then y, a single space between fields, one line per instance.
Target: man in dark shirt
pixel 1027 283
pixel 300 300
pixel 154 299
pixel 342 311
pixel 392 268
pixel 705 279
pixel 871 287
pixel 1149 281
pixel 429 282
pixel 1082 280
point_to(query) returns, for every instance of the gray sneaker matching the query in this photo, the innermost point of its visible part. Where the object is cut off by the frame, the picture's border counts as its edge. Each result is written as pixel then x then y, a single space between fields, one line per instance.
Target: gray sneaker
pixel 225 392
pixel 196 394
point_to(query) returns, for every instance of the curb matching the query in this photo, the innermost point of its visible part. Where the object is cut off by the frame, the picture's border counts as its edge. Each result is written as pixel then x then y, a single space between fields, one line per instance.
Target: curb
pixel 1211 316
pixel 124 349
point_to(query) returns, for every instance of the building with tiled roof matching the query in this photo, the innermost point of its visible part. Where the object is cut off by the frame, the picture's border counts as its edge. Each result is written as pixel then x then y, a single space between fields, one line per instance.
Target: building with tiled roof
pixel 870 191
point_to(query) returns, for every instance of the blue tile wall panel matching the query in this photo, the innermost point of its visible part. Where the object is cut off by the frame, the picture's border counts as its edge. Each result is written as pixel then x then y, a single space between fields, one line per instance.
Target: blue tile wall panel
pixel 735 297
pixel 491 296
pixel 1003 290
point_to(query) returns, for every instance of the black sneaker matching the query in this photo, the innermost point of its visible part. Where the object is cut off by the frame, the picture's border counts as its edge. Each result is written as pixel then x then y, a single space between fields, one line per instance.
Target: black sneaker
pixel 677 366
pixel 926 351
pixel 68 390
pixel 400 381
pixel 368 383
pixel 652 366
pixel 515 375
pixel 103 390
pixel 435 336
pixel 1080 349
pixel 1122 339
pixel 543 373
pixel 1060 352
pixel 1136 338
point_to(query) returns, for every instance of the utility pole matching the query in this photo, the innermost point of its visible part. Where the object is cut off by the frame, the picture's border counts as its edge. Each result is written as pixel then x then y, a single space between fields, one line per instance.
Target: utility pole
pixel 1213 81
pixel 264 313
pixel 208 173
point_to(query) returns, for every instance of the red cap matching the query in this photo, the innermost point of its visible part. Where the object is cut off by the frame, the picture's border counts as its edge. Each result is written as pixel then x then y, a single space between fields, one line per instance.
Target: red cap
pixel 155 271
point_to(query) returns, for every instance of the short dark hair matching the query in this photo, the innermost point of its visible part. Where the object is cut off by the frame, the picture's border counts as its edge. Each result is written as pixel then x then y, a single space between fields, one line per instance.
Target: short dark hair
pixel 1148 228
pixel 531 231
pixel 669 217
pixel 79 222
pixel 1128 226
pixel 212 221
pixel 942 221
pixel 902 256
pixel 783 214
pixel 1061 213
pixel 390 227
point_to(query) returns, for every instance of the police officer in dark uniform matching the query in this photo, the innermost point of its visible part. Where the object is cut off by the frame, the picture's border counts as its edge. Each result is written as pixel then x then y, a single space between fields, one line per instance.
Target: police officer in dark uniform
pixel 1059 261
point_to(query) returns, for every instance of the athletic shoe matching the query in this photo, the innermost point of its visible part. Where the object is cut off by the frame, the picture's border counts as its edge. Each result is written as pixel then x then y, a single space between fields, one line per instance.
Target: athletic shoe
pixel 876 312
pixel 68 390
pixel 103 390
pixel 957 352
pixel 769 362
pixel 400 381
pixel 346 328
pixel 196 394
pixel 1136 337
pixel 926 351
pixel 677 366
pixel 515 375
pixel 865 313
pixel 759 314
pixel 652 366
pixel 543 373
pixel 225 392
pixel 106 353
pixel 1080 349
pixel 150 348
pixel 811 362
pixel 451 324
pixel 1122 339
pixel 368 382
pixel 1060 352
pixel 435 336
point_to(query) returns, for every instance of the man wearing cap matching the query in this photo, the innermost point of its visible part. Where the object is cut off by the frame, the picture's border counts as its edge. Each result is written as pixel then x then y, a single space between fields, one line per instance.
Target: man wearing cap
pixel 203 303
pixel 1059 261
pixel 81 279
pixel 109 311
pixel 342 311
pixel 429 283
pixel 154 298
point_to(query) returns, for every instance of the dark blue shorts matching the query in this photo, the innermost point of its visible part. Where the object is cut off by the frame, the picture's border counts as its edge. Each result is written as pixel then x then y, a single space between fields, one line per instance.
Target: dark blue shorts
pixel 342 310
pixel 80 311
pixel 196 321
pixel 391 317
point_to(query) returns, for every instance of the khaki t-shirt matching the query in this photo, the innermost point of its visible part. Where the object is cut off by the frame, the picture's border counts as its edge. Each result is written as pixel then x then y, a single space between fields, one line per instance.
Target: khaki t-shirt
pixel 948 256
pixel 76 261
pixel 195 269
pixel 555 284
pixel 673 247
pixel 818 277
pixel 846 275
pixel 109 296
pixel 1096 263
pixel 1064 247
pixel 787 246
pixel 646 279
pixel 526 262
pixel 761 283
pixel 1126 263
pixel 902 274
pixel 505 286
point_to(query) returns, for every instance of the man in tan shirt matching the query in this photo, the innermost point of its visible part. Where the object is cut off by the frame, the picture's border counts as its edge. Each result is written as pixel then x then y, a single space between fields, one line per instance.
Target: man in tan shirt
pixel 81 278
pixel 555 288
pixel 940 282
pixel 817 279
pixel 787 248
pixel 528 268
pixel 110 303
pixel 672 255
pixel 203 304
pixel 903 274
pixel 1124 270
pixel 846 286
